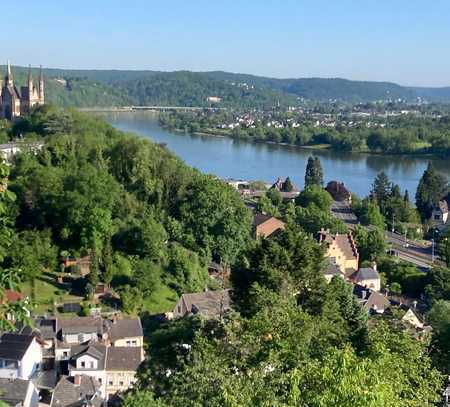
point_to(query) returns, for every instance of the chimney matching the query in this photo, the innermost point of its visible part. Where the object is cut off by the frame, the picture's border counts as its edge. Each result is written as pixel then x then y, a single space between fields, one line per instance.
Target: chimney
pixel 77 380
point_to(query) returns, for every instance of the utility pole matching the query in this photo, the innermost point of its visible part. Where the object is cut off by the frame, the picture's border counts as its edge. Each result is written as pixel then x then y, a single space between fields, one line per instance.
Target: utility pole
pixel 393 228
pixel 432 246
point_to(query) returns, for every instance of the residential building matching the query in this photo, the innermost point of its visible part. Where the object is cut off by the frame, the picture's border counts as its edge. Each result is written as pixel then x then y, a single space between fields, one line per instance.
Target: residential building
pixel 15 102
pixel 341 248
pixel 121 367
pixel 79 391
pixel 90 360
pixel 9 150
pixel 20 356
pixel 440 214
pixel 126 332
pixel 266 225
pixel 413 318
pixel 209 304
pixel 11 297
pixel 332 269
pixel 114 368
pixel 339 192
pixel 77 330
pixel 373 301
pixel 19 393
pixel 367 277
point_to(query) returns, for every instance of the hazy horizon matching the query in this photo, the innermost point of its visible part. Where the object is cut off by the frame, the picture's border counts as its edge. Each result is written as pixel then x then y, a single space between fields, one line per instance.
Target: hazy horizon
pixel 403 42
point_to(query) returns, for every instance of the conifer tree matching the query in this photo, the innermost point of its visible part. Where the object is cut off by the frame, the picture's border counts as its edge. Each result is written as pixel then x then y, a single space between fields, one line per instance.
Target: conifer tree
pixel 314 172
pixel 432 187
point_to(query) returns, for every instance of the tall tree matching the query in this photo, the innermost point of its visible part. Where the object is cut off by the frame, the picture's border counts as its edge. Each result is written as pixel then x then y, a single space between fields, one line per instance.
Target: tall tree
pixel 381 189
pixel 314 172
pixel 432 187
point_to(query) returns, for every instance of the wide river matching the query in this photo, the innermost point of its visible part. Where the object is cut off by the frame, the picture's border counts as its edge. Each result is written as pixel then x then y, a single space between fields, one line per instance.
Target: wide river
pixel 227 158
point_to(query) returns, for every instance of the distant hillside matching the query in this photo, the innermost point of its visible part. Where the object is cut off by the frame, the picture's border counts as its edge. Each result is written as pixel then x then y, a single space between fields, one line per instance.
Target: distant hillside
pixel 183 88
pixel 66 90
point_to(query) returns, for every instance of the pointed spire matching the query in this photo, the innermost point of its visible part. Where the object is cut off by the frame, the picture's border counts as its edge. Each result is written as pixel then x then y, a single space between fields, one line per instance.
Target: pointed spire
pixel 9 75
pixel 41 86
pixel 30 77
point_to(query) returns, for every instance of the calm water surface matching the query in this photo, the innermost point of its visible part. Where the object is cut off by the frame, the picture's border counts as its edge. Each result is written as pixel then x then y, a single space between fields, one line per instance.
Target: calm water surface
pixel 227 158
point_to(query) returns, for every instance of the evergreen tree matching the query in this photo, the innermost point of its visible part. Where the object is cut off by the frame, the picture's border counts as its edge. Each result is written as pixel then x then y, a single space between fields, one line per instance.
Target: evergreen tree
pixel 432 187
pixel 395 191
pixel 314 172
pixel 406 196
pixel 381 190
pixel 288 186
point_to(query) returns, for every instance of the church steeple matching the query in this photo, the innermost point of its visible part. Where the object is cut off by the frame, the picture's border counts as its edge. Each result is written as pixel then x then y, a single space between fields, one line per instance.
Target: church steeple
pixel 9 75
pixel 41 86
pixel 30 80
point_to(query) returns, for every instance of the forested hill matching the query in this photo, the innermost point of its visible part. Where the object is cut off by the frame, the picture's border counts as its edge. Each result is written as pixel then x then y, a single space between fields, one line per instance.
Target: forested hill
pixel 183 88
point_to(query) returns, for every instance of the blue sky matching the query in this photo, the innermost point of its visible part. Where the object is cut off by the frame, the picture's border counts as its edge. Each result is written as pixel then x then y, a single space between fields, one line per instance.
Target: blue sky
pixel 407 42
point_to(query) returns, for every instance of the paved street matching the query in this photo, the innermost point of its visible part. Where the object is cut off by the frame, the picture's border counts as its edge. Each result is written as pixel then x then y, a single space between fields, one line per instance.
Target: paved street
pixel 410 251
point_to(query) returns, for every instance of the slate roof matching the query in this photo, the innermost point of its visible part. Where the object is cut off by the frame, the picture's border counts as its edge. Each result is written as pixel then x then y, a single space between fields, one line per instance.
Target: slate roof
pixel 366 273
pixel 208 303
pixel 123 358
pixel 45 379
pixel 13 392
pixel 372 300
pixel 14 346
pixel 77 325
pixel 125 328
pixel 93 349
pixel 332 269
pixel 67 394
pixel 47 327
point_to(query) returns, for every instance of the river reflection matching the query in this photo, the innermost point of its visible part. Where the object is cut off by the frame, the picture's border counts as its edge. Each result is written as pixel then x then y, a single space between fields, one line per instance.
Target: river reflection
pixel 258 161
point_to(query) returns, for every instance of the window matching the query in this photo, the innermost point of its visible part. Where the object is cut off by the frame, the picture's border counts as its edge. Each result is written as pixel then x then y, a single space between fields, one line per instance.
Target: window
pixel 99 380
pixel 91 365
pixel 65 354
pixel 83 364
pixel 121 383
pixel 134 343
pixel 110 382
pixel 128 343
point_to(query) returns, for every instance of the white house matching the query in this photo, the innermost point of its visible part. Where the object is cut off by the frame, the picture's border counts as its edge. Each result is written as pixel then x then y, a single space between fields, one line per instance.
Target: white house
pixel 367 277
pixel 20 356
pixel 90 360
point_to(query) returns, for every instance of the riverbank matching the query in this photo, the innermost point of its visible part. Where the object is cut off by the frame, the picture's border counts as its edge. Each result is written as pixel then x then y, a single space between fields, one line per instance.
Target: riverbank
pixel 420 152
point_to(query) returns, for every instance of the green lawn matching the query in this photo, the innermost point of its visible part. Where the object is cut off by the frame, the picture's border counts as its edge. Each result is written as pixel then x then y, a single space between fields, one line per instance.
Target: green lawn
pixel 162 300
pixel 47 291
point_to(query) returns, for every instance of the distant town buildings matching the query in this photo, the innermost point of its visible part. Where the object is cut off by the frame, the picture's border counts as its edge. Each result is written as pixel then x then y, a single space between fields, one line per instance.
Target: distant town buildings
pixel 16 102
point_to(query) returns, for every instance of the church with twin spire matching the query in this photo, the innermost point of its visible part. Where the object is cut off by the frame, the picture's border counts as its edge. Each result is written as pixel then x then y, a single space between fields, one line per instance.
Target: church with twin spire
pixel 16 102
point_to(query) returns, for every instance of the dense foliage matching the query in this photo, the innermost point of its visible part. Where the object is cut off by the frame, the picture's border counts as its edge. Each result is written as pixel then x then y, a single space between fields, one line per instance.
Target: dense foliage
pixel 146 219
